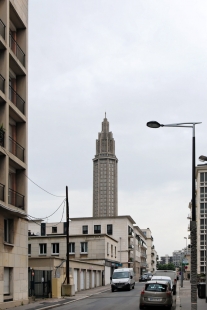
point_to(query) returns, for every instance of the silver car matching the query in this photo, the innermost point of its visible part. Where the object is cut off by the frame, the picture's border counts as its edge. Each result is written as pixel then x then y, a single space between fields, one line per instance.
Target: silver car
pixel 156 293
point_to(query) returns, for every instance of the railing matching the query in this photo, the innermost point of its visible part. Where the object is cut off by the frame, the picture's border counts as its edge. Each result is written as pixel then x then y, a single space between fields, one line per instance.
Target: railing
pixel 16 149
pixel 143 255
pixel 2 29
pixel 17 49
pixel 16 199
pixel 2 83
pixel 2 137
pixel 2 192
pixel 142 264
pixel 16 99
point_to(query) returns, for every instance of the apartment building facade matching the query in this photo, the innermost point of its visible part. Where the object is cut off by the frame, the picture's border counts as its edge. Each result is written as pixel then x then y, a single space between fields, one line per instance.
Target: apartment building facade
pixel 151 252
pixel 13 151
pixel 111 242
pixel 201 216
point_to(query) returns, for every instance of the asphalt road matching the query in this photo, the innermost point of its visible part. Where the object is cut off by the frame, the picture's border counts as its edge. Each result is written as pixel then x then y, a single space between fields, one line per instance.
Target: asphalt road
pixel 120 300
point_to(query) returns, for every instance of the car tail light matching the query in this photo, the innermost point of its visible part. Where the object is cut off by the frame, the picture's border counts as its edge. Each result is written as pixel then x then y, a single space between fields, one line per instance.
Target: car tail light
pixel 142 292
pixel 168 293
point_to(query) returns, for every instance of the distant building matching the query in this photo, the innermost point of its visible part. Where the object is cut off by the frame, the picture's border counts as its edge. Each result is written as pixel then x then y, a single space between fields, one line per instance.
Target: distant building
pixel 151 252
pixel 164 260
pixel 13 152
pixel 105 172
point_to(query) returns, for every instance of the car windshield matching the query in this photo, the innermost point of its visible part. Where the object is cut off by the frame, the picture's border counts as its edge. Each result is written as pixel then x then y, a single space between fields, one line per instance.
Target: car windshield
pixel 120 275
pixel 156 287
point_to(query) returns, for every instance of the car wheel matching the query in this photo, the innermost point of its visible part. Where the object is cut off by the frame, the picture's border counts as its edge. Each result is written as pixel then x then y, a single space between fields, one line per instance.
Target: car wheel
pixel 141 307
pixel 112 289
pixel 129 288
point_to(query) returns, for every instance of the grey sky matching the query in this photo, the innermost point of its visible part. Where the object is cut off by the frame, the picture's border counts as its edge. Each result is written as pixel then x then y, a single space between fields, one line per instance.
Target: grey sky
pixel 138 61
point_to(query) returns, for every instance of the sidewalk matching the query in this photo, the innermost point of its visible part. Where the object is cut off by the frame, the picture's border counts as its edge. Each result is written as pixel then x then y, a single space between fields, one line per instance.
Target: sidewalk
pixel 183 298
pixel 50 303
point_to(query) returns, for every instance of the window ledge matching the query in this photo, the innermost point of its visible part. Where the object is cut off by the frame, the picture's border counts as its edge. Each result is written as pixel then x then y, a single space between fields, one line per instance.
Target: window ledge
pixel 42 254
pixel 9 244
pixel 55 254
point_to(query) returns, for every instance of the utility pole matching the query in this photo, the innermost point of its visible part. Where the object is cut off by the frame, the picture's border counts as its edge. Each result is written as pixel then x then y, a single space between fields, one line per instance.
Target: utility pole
pixel 67 238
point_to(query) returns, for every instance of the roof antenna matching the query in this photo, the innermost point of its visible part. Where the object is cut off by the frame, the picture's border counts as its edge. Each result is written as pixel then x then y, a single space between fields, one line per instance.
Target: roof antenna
pixel 105 114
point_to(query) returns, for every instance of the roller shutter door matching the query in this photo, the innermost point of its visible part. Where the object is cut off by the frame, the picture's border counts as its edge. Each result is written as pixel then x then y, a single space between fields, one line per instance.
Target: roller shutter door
pixel 75 277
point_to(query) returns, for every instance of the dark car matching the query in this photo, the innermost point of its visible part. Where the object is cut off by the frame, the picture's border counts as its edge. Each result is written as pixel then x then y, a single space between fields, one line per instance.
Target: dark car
pixel 143 278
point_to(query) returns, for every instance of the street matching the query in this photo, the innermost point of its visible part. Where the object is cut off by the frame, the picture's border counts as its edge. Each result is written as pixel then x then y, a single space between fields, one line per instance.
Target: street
pixel 108 300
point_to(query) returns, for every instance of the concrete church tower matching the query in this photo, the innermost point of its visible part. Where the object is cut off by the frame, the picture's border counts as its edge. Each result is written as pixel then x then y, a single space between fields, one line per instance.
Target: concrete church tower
pixel 105 170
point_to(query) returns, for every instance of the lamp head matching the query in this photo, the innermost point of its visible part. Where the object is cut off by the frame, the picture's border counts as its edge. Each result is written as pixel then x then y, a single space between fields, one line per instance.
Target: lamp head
pixel 203 158
pixel 154 124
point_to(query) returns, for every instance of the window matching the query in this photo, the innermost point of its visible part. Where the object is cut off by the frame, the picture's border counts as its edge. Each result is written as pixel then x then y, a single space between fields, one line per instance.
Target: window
pixel 55 248
pixel 97 229
pixel 29 249
pixel 43 248
pixel 54 229
pixel 8 230
pixel 72 247
pixel 115 251
pixel 84 247
pixel 85 229
pixel 107 248
pixel 110 229
pixel 111 250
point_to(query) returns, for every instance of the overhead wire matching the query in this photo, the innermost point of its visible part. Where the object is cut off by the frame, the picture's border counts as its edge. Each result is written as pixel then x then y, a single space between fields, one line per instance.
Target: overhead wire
pixel 33 181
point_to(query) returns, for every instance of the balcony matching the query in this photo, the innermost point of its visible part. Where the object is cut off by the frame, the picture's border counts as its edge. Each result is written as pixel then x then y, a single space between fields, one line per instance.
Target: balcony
pixel 16 99
pixel 2 192
pixel 2 137
pixel 16 149
pixel 2 84
pixel 143 264
pixel 16 49
pixel 143 255
pixel 16 199
pixel 131 246
pixel 189 217
pixel 2 29
pixel 131 260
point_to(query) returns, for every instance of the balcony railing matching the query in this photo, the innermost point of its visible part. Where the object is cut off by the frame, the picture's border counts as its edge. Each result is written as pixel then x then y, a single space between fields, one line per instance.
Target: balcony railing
pixel 2 137
pixel 143 255
pixel 16 149
pixel 2 83
pixel 2 29
pixel 16 99
pixel 17 49
pixel 16 199
pixel 142 264
pixel 2 192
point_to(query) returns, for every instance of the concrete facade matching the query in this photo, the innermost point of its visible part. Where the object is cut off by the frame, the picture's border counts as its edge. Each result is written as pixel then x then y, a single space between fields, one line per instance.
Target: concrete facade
pixel 13 152
pixel 201 216
pixel 105 174
pixel 151 252
pixel 118 242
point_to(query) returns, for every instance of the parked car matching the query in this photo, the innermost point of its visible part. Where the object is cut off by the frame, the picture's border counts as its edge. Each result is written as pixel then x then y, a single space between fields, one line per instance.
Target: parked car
pixel 169 273
pixel 143 278
pixel 122 278
pixel 156 293
pixel 164 278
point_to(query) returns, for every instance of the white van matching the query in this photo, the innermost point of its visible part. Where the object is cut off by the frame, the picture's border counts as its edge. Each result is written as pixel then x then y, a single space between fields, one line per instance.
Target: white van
pixel 122 278
pixel 168 273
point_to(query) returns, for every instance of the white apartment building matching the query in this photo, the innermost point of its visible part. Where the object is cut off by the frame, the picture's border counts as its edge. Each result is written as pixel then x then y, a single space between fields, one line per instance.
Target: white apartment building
pixel 111 242
pixel 151 252
pixel 201 216
pixel 13 152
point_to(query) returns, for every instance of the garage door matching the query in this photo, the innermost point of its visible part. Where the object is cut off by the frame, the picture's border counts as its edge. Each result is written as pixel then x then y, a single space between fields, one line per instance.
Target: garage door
pixel 107 275
pixel 75 278
pixel 82 280
pixel 98 278
pixel 6 281
pixel 87 279
pixel 93 278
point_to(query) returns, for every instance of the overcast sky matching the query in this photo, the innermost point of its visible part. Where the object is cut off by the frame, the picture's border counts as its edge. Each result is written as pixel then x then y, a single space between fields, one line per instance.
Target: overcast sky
pixel 137 61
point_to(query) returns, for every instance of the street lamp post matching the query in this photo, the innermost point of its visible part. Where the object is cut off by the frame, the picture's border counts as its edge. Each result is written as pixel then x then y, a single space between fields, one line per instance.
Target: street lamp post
pixel 204 158
pixel 193 227
pixel 186 243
